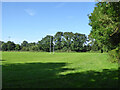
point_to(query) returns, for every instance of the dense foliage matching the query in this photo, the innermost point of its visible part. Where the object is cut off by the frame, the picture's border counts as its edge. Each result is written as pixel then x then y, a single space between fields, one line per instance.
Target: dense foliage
pixel 63 41
pixel 105 23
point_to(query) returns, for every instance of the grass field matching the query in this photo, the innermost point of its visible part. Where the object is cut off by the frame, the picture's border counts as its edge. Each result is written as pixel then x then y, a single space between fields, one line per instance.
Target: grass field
pixel 61 70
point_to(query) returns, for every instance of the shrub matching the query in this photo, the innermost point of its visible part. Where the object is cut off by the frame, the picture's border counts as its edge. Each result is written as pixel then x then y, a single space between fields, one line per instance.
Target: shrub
pixel 114 55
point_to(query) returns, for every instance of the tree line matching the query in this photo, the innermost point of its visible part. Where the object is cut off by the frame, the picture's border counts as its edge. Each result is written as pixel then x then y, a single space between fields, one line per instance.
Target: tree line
pixel 63 41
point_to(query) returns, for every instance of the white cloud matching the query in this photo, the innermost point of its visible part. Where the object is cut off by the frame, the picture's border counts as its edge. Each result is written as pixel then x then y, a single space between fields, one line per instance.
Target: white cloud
pixel 30 12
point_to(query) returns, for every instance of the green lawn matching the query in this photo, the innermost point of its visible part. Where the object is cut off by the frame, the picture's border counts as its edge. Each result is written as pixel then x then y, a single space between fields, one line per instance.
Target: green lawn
pixel 61 70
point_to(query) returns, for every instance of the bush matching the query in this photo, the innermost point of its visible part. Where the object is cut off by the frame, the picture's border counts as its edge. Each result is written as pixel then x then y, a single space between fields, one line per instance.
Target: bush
pixel 25 49
pixel 114 55
pixel 64 49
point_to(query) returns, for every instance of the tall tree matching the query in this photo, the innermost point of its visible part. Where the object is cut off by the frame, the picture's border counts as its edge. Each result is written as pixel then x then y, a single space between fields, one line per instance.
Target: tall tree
pixel 68 37
pixel 24 44
pixel 45 43
pixel 78 42
pixel 39 44
pixel 10 46
pixel 1 42
pixel 58 40
pixel 105 22
pixel 4 47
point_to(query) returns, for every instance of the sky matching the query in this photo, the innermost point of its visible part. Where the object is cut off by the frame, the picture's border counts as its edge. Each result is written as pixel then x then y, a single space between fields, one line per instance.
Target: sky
pixel 32 21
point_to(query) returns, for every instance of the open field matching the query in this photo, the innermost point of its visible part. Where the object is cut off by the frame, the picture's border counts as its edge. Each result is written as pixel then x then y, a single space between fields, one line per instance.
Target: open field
pixel 61 70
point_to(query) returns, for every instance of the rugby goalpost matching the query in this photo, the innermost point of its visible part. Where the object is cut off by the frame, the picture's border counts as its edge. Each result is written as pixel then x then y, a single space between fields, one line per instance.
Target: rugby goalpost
pixel 50 45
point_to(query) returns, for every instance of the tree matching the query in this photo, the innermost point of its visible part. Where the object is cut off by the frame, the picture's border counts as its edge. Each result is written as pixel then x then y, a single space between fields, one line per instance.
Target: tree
pixel 39 44
pixel 24 44
pixel 64 44
pixel 17 47
pixel 25 48
pixel 34 48
pixel 87 48
pixel 1 42
pixel 105 22
pixel 58 40
pixel 45 43
pixel 4 47
pixel 32 44
pixel 68 37
pixel 10 46
pixel 78 42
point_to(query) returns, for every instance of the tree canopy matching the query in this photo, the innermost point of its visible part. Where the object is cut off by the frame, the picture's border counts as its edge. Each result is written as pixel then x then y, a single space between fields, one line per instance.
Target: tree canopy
pixel 64 41
pixel 105 23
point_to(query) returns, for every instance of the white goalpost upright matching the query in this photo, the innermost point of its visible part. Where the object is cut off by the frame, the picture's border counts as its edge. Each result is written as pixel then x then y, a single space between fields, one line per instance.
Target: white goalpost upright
pixel 50 44
pixel 53 45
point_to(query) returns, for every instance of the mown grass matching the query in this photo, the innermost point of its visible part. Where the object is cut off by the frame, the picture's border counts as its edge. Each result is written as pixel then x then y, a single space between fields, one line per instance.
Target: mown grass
pixel 61 70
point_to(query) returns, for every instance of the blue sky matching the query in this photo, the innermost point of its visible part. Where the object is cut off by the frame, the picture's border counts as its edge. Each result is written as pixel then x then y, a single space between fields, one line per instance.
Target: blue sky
pixel 32 21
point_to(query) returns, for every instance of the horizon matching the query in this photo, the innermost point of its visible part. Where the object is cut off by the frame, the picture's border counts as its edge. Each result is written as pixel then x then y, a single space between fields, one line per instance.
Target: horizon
pixel 45 18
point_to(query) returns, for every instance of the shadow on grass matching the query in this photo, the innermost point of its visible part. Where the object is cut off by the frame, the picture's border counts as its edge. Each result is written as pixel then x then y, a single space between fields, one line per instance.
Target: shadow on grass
pixel 2 60
pixel 45 75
